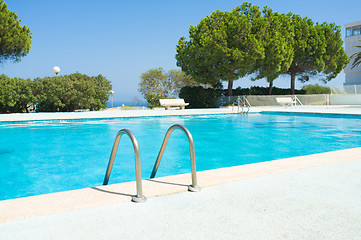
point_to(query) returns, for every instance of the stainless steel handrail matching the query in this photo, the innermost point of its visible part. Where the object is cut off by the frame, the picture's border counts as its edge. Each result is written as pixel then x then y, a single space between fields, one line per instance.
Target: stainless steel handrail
pixel 194 187
pixel 243 102
pixel 139 197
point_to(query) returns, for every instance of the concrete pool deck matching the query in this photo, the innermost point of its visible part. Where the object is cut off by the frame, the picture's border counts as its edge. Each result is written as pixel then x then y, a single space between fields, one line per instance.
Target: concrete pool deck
pixel 309 197
pixel 282 199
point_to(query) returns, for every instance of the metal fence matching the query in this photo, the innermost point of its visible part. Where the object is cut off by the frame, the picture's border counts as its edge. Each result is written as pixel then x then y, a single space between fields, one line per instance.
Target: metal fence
pixel 351 95
pixel 264 100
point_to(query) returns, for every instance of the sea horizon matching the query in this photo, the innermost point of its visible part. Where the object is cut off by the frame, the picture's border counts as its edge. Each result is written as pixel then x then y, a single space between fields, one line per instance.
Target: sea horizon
pixel 127 103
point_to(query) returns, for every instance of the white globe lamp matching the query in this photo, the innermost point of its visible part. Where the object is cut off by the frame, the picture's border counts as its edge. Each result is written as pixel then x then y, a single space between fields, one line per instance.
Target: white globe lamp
pixel 56 70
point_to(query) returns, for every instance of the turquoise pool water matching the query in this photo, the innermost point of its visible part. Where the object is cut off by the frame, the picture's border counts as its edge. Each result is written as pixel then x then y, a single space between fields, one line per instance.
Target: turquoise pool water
pixel 39 157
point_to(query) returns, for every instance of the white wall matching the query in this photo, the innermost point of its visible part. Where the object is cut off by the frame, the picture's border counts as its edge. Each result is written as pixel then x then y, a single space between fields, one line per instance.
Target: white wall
pixel 349 99
pixel 353 76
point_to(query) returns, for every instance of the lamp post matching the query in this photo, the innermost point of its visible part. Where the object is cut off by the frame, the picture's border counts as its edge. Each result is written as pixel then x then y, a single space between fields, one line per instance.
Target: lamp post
pixel 56 70
pixel 112 94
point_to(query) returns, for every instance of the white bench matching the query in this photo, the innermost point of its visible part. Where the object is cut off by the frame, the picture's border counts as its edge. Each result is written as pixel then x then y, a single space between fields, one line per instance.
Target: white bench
pixel 167 103
pixel 285 101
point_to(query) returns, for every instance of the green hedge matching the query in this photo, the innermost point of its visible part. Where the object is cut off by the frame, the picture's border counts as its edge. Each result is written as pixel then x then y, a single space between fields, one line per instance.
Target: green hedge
pixel 316 89
pixel 199 97
pixel 263 91
pixel 54 94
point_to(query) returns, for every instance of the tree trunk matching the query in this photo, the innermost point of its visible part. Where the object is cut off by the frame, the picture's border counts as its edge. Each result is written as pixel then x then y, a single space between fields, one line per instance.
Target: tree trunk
pixel 270 88
pixel 293 79
pixel 230 86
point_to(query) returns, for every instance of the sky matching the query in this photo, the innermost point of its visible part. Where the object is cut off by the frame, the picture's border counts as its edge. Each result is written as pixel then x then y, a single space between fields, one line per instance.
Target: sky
pixel 123 39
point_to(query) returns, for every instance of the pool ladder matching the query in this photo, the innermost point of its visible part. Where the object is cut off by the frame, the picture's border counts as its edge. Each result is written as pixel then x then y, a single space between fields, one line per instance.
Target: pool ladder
pixel 138 176
pixel 140 197
pixel 243 104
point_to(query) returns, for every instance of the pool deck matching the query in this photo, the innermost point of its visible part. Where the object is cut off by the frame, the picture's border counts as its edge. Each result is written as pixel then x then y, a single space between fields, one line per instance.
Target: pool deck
pixel 109 114
pixel 309 197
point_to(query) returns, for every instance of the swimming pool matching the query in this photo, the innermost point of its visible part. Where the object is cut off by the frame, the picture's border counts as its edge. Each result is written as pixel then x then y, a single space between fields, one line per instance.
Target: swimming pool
pixel 39 157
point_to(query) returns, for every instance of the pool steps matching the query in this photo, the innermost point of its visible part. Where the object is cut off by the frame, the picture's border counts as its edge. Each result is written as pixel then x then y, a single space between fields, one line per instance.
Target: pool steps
pixel 140 197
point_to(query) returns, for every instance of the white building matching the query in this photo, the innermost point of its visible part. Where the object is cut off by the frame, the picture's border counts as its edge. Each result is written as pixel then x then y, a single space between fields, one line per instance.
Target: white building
pixel 353 76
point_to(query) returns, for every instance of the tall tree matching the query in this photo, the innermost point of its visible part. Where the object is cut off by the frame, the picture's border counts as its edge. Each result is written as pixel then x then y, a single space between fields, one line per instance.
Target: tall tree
pixel 356 58
pixel 221 47
pixel 277 37
pixel 229 45
pixel 166 84
pixel 317 50
pixel 15 40
pixel 152 82
pixel 15 95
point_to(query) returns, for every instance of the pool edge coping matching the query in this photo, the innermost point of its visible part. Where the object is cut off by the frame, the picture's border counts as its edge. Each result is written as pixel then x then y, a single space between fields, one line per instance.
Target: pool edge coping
pixel 98 115
pixel 53 203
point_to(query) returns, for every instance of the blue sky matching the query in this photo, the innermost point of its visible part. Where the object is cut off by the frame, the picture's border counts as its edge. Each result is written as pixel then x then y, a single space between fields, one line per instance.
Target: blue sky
pixel 123 39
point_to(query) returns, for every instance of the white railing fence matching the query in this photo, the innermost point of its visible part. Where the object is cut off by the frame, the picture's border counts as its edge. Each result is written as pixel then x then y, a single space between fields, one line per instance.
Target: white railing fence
pixel 270 100
pixel 312 99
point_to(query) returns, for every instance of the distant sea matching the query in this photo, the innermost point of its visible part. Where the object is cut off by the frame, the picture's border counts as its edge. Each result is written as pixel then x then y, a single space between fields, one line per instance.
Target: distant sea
pixel 127 103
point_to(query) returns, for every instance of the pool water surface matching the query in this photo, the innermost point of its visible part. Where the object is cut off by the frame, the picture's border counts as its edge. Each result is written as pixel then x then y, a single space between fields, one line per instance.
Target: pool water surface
pixel 38 157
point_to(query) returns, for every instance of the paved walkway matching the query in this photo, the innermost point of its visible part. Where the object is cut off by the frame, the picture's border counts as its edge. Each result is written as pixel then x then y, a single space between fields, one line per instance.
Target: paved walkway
pixel 314 203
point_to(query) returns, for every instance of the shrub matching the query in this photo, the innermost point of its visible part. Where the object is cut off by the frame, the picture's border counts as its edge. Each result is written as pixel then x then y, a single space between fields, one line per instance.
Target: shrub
pixel 15 95
pixel 316 89
pixel 54 94
pixel 153 99
pixel 199 97
pixel 70 92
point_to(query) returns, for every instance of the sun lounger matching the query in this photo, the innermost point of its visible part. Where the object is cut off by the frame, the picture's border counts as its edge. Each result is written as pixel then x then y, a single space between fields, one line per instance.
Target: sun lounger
pixel 285 101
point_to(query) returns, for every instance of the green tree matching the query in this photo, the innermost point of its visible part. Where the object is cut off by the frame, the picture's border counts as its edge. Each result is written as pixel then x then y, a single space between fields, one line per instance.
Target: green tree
pixel 356 58
pixel 70 92
pixel 102 92
pixel 49 92
pixel 317 51
pixel 277 37
pixel 15 40
pixel 157 82
pixel 178 79
pixel 15 95
pixel 152 82
pixel 222 46
pixel 230 45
